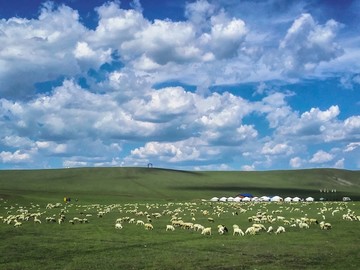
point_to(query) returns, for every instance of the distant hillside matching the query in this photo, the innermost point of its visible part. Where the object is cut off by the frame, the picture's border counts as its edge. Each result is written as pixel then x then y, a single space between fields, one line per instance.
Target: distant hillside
pixel 133 183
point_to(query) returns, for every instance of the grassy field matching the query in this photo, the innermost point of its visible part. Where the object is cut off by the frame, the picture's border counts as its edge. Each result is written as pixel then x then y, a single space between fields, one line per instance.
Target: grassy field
pixel 132 192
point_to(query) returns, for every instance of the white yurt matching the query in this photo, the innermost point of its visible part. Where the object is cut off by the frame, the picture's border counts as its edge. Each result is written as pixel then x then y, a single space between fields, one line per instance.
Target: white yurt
pixel 309 199
pixel 288 199
pixel 265 199
pixel 230 199
pixel 246 199
pixel 255 199
pixel 214 199
pixel 237 199
pixel 296 199
pixel 223 199
pixel 276 199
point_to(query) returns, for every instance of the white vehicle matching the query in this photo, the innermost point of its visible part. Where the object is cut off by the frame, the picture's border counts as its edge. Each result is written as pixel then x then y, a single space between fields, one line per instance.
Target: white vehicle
pixel 346 199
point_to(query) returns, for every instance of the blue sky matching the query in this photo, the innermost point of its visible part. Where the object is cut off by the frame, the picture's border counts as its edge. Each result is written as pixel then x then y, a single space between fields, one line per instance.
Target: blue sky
pixel 193 85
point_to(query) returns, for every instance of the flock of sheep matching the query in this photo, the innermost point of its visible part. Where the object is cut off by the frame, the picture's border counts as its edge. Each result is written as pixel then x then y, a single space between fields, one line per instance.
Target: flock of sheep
pixel 203 217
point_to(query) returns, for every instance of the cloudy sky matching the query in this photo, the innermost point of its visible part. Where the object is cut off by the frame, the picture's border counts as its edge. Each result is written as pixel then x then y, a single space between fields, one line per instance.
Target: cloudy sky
pixel 194 85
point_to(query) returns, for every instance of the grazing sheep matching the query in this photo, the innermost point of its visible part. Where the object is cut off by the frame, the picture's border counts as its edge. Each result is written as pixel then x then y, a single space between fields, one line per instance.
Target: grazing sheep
pixel 140 222
pixel 36 220
pixel 118 226
pixel 251 230
pixel 222 229
pixel 132 220
pixel 148 226
pixel 259 227
pixel 17 224
pixel 50 219
pixel 270 229
pixel 170 228
pixel 303 225
pixel 198 227
pixel 206 231
pixel 280 229
pixel 238 231
pixel 325 226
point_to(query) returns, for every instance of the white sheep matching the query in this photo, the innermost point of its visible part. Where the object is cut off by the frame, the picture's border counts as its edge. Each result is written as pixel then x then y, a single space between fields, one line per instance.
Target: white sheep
pixel 270 229
pixel 251 230
pixel 140 222
pixel 36 220
pixel 17 224
pixel 170 228
pixel 132 220
pixel 280 229
pixel 148 226
pixel 206 231
pixel 325 226
pixel 238 231
pixel 222 229
pixel 303 225
pixel 118 226
pixel 198 227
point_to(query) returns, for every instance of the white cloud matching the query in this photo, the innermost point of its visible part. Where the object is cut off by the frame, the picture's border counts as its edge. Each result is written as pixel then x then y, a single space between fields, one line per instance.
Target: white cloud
pixel 321 157
pixel 340 163
pixel 248 168
pixel 38 50
pixel 119 108
pixel 296 162
pixel 199 13
pixel 276 149
pixel 308 43
pixel 15 157
pixel 226 37
pixel 313 123
pixel 352 146
pixel 169 152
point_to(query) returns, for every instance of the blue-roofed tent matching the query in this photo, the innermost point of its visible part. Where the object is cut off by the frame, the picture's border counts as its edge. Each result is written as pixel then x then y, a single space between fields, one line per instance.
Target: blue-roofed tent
pixel 243 195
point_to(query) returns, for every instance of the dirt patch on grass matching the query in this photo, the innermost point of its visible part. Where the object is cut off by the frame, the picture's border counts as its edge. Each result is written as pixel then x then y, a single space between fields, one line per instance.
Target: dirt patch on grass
pixel 343 182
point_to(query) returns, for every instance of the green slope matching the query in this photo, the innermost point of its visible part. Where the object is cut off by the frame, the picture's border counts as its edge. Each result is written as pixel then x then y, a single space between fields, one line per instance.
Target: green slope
pixel 131 184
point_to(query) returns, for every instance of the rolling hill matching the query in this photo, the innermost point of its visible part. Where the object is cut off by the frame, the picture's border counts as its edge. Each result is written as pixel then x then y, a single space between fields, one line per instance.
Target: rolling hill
pixel 144 184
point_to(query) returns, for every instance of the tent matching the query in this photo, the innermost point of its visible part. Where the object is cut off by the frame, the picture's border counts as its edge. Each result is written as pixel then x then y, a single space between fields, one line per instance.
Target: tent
pixel 230 199
pixel 309 199
pixel 276 199
pixel 237 199
pixel 223 199
pixel 246 199
pixel 243 195
pixel 296 199
pixel 288 199
pixel 265 199
pixel 214 199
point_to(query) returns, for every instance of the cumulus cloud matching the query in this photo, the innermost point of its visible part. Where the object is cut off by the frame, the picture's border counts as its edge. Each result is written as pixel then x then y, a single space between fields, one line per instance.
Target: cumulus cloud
pixel 313 123
pixel 38 50
pixel 248 168
pixel 275 149
pixel 123 93
pixel 15 157
pixel 340 163
pixel 352 146
pixel 321 157
pixel 296 162
pixel 307 43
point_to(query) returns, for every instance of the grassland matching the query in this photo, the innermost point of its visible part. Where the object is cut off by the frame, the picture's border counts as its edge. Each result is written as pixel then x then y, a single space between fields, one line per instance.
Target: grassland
pixel 97 245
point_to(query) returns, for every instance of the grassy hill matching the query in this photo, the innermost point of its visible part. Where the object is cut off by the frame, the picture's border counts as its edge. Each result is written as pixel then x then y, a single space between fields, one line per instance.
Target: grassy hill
pixel 129 193
pixel 133 183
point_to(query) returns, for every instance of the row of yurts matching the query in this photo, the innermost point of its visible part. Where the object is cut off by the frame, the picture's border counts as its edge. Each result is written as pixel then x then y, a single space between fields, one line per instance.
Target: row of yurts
pixel 250 198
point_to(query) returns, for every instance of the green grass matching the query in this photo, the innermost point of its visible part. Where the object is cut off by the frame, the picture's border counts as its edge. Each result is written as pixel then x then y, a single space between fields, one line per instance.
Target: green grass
pixel 98 245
